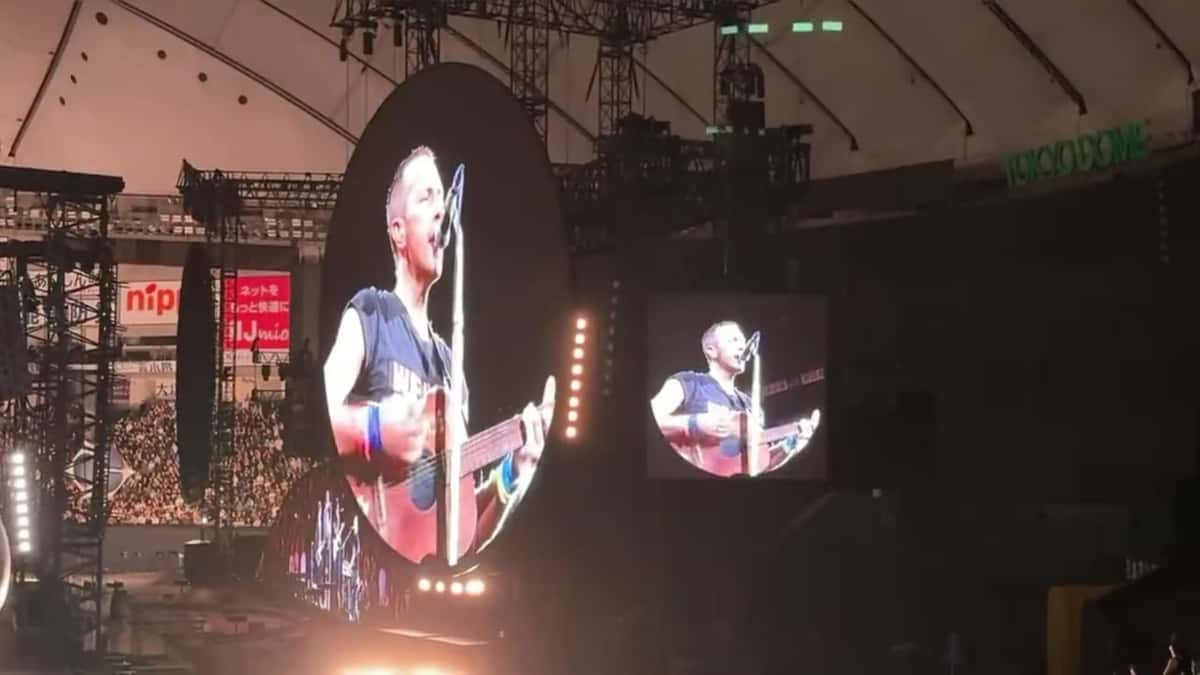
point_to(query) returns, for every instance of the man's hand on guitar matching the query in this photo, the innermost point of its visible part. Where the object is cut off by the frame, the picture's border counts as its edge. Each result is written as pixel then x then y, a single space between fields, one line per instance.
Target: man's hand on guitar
pixel 535 422
pixel 806 427
pixel 533 429
pixel 717 424
pixel 402 433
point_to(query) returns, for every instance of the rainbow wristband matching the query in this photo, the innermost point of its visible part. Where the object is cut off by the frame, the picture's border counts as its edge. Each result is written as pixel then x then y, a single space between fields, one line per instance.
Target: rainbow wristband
pixel 374 437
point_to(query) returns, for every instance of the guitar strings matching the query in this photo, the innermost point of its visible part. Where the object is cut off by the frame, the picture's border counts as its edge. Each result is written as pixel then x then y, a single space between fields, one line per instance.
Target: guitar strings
pixel 428 466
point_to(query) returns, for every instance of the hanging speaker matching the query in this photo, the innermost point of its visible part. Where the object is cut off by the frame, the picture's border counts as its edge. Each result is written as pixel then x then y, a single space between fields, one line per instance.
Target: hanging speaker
pixel 195 373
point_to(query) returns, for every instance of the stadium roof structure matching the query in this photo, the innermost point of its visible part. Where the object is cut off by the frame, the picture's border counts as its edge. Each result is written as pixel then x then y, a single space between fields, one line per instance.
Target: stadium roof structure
pixel 131 87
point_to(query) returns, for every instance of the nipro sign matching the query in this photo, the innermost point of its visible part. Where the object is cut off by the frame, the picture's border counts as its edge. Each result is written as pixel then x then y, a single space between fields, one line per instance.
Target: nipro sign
pixel 1095 151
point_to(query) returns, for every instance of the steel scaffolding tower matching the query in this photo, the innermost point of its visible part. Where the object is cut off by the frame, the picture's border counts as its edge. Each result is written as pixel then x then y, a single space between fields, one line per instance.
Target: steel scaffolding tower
pixel 68 284
pixel 620 25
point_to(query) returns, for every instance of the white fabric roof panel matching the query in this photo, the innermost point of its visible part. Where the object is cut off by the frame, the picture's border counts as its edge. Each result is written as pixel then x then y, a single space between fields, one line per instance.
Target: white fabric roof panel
pixel 132 114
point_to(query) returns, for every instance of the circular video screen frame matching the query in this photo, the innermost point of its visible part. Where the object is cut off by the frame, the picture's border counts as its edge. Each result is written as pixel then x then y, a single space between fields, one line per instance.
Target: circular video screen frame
pixel 515 297
pixel 703 417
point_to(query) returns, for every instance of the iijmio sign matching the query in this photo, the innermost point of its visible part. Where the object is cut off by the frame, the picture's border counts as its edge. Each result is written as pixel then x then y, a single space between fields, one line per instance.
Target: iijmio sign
pixel 1089 152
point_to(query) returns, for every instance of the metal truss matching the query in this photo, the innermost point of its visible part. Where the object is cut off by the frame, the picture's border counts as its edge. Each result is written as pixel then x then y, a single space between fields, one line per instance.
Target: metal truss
pixel 529 61
pixel 262 189
pixel 736 78
pixel 649 183
pixel 618 24
pixel 68 284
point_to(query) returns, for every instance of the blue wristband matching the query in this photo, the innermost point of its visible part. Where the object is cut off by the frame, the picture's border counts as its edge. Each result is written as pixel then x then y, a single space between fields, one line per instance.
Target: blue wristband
pixel 693 427
pixel 508 474
pixel 374 438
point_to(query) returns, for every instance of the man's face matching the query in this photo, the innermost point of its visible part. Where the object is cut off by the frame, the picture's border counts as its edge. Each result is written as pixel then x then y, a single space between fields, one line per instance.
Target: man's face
pixel 727 347
pixel 417 215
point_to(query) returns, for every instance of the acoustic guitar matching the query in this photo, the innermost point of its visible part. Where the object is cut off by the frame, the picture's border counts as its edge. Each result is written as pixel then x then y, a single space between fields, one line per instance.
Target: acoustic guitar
pixel 410 514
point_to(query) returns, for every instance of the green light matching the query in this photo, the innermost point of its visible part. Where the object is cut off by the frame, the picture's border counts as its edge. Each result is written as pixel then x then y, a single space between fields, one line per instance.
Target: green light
pixel 729 30
pixel 802 27
pixel 712 130
pixel 831 26
pixel 757 28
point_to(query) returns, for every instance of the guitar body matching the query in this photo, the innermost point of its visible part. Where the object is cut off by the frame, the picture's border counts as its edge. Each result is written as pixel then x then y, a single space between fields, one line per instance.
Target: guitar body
pixel 405 513
pixel 411 523
pixel 726 457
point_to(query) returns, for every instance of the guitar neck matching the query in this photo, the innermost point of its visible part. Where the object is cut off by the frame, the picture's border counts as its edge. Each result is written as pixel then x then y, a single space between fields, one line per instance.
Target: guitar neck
pixel 779 433
pixel 491 445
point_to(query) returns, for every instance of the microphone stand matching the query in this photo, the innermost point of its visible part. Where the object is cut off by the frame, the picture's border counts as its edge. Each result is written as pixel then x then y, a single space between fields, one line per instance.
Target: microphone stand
pixel 453 450
pixel 753 429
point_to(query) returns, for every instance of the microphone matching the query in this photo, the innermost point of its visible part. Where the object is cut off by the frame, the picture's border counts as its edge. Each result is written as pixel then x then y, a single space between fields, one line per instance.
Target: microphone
pixel 454 198
pixel 751 349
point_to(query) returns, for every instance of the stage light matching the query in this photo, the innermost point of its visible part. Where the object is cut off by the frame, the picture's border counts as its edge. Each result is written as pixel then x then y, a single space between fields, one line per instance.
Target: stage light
pixel 21 496
pixel 579 338
pixel 456 588
pixel 18 471
pixel 572 432
pixel 18 484
pixel 24 547
pixel 475 587
pixel 440 587
pixel 17 457
pixel 580 323
pixel 573 402
pixel 23 534
pixel 424 584
pixel 572 415
pixel 576 385
pixel 23 521
pixel 577 369
pixel 22 509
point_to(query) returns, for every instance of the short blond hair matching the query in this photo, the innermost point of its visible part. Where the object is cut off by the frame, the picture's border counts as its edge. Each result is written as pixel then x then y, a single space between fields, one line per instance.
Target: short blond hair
pixel 709 339
pixel 398 177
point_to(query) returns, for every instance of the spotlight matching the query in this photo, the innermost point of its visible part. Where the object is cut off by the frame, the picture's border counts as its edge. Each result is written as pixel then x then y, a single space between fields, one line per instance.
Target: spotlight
pixel 23 534
pixel 577 353
pixel 579 338
pixel 580 323
pixel 576 385
pixel 572 415
pixel 572 432
pixel 17 457
pixel 23 521
pixel 424 584
pixel 21 496
pixel 24 547
pixel 22 509
pixel 18 483
pixel 456 588
pixel 475 587
pixel 440 587
pixel 18 471
pixel 573 402
pixel 577 369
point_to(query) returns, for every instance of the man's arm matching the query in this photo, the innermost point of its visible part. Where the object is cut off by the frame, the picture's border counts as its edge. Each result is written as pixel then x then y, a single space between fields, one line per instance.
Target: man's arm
pixel 664 404
pixel 506 484
pixel 342 367
pixel 708 427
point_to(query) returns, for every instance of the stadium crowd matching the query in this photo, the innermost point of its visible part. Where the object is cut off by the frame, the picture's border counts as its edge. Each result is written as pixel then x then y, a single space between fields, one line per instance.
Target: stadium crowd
pixel 150 492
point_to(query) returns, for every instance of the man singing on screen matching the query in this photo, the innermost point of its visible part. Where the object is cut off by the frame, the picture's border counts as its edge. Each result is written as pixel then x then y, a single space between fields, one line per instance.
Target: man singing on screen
pixel 701 414
pixel 384 360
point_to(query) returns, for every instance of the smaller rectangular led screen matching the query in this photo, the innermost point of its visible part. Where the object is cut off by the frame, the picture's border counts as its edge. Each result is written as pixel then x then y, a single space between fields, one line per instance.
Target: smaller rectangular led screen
pixel 736 386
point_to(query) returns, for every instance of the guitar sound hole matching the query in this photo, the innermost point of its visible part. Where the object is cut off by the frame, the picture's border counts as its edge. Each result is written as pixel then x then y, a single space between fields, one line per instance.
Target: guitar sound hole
pixel 423 489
